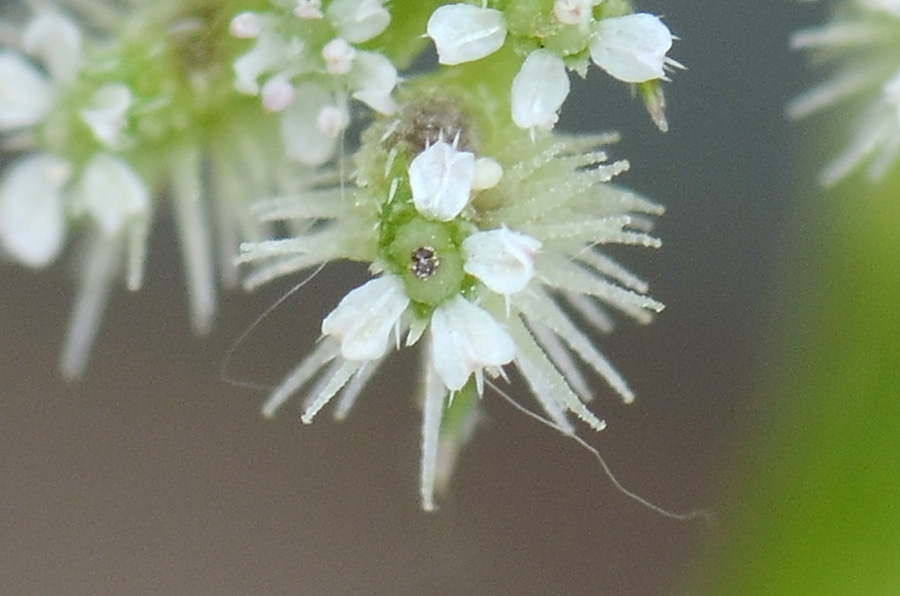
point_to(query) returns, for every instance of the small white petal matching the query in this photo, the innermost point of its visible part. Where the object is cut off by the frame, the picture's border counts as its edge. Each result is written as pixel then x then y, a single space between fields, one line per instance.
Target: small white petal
pixel 112 193
pixel 245 25
pixel 539 90
pixel 32 219
pixel 631 48
pixel 501 259
pixel 338 56
pixel 303 123
pixel 277 94
pixel 359 20
pixel 465 340
pixel 56 40
pixel 374 77
pixel 26 96
pixel 441 181
pixel 106 116
pixel 463 33
pixel 488 173
pixel 364 319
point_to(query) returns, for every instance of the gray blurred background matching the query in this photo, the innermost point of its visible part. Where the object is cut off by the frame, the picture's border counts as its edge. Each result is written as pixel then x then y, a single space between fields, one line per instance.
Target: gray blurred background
pixel 155 476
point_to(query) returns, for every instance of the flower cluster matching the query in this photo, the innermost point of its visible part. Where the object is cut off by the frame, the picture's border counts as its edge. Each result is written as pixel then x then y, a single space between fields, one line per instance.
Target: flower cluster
pixel 630 47
pixel 312 65
pixel 482 228
pixel 106 121
pixel 863 42
pixel 473 255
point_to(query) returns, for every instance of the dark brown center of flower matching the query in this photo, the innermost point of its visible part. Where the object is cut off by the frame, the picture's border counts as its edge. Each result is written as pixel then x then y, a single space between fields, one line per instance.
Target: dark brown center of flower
pixel 424 262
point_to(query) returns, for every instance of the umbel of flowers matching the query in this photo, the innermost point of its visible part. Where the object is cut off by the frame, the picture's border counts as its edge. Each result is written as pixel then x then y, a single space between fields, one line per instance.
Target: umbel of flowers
pixel 109 110
pixel 483 230
pixel 861 43
pixel 479 241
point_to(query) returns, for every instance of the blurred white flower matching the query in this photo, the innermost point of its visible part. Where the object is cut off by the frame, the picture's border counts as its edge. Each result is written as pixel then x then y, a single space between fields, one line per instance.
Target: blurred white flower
pixel 863 43
pixel 113 195
pixel 104 121
pixel 27 95
pixel 32 211
pixel 292 62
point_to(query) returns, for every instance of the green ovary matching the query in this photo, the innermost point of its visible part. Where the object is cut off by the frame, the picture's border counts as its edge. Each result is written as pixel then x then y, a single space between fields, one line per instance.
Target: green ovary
pixel 423 253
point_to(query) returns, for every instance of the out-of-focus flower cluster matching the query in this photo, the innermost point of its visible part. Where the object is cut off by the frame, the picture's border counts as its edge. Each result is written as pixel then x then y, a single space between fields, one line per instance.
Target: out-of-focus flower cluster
pixel 861 43
pixel 482 228
pixel 109 110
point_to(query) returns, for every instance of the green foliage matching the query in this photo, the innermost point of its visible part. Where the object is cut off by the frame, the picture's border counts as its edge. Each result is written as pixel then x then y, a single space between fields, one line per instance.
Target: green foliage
pixel 817 509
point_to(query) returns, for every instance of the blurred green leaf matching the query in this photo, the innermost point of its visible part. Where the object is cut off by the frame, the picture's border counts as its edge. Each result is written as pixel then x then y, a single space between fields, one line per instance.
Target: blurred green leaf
pixel 816 507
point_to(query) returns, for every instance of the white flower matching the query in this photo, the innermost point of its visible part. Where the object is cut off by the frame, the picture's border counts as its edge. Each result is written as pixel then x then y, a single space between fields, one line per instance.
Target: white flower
pixel 113 194
pixel 863 41
pixel 503 260
pixel 539 90
pixel 32 215
pixel 441 180
pixel 466 340
pixel 56 41
pixel 631 48
pixel 464 33
pixel 26 96
pixel 365 317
